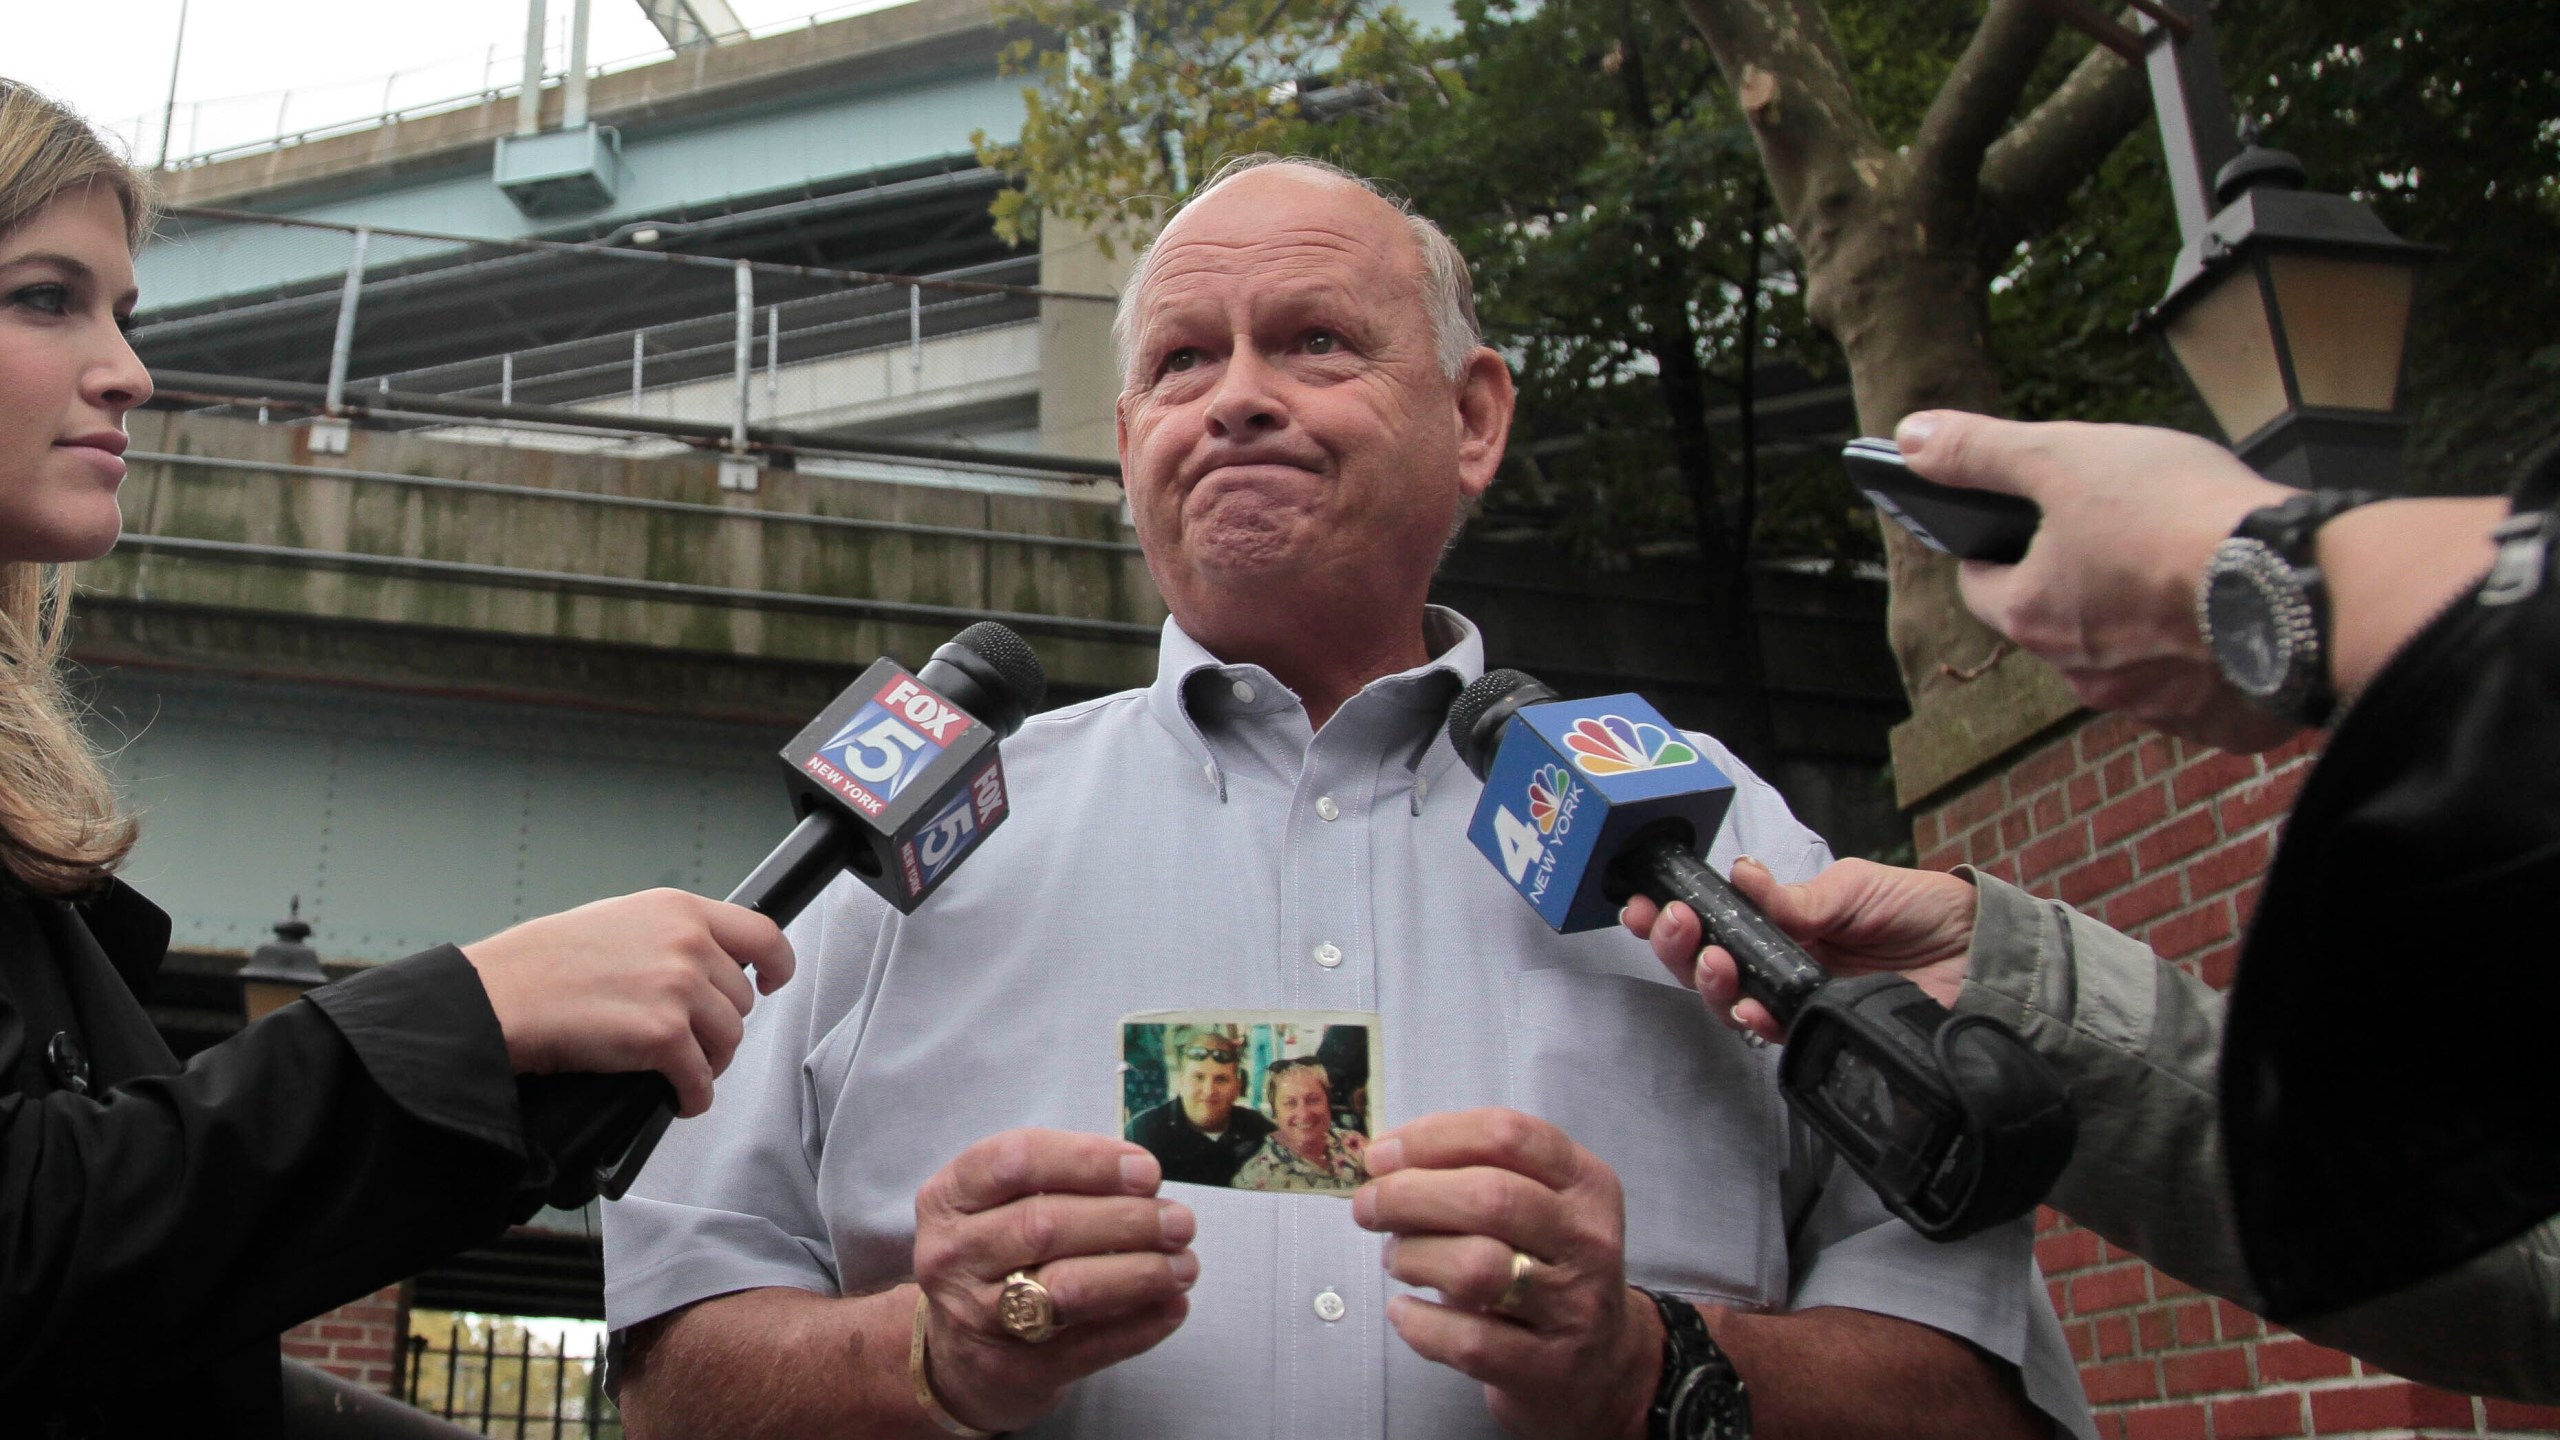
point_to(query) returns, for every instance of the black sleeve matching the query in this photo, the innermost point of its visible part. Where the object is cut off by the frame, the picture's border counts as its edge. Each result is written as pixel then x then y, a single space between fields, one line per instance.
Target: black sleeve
pixel 2389 1101
pixel 329 1150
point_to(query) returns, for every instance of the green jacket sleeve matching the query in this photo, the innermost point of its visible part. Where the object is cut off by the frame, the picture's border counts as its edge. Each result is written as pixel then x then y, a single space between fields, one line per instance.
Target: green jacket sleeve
pixel 2138 1042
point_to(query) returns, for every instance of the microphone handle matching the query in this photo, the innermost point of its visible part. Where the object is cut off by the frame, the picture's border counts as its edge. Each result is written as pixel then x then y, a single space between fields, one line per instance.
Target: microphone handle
pixel 1775 970
pixel 619 1118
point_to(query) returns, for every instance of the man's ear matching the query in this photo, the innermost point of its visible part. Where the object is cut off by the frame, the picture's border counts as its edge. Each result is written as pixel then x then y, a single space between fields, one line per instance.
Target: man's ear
pixel 1485 402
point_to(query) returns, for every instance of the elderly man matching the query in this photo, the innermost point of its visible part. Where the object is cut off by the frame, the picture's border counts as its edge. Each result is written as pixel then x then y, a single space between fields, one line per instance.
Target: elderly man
pixel 889 1228
pixel 1199 1136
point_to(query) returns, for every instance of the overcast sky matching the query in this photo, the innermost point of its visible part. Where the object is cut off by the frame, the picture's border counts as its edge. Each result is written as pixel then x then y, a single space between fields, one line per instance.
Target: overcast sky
pixel 310 62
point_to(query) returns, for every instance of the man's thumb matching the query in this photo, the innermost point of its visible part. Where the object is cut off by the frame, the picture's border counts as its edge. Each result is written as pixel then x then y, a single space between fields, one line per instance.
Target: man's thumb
pixel 1958 447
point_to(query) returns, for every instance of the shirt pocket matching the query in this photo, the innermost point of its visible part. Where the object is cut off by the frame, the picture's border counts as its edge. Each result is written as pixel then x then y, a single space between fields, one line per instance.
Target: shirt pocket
pixel 1685 1113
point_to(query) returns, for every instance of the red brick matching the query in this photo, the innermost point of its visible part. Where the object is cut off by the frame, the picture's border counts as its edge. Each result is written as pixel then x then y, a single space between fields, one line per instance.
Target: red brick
pixel 2082 794
pixel 2048 766
pixel 2509 1415
pixel 2244 901
pixel 2121 1381
pixel 2258 803
pixel 2053 851
pixel 2144 903
pixel 2258 1417
pixel 2166 1285
pixel 2165 1422
pixel 361 1354
pixel 2201 1372
pixel 2218 771
pixel 1982 844
pixel 2064 1251
pixel 2234 862
pixel 2174 841
pixel 2236 1323
pixel 2392 1404
pixel 2115 1336
pixel 1925 833
pixel 2004 868
pixel 2047 812
pixel 2119 775
pixel 1944 857
pixel 2219 966
pixel 2111 870
pixel 2287 1360
pixel 2016 830
pixel 2157 1329
pixel 2082 1337
pixel 2192 930
pixel 1977 804
pixel 2140 810
pixel 2195 1323
pixel 2158 756
pixel 2111 1289
pixel 2105 735
pixel 305 1349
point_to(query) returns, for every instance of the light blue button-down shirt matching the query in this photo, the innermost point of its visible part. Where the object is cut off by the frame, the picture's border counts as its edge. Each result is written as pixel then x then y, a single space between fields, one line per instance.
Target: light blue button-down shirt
pixel 1195 846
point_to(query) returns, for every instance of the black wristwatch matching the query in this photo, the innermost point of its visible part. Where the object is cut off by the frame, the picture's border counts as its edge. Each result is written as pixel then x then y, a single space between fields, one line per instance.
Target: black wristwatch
pixel 1699 1397
pixel 2264 609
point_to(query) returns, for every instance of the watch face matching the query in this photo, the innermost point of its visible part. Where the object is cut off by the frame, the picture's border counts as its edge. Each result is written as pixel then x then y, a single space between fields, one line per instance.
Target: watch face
pixel 2248 642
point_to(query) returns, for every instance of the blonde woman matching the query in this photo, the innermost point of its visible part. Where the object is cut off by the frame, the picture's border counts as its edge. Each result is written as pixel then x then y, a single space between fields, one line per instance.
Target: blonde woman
pixel 159 1225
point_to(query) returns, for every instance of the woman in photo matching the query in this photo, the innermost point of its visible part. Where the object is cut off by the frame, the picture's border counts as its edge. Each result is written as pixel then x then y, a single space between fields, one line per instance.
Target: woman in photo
pixel 1308 1151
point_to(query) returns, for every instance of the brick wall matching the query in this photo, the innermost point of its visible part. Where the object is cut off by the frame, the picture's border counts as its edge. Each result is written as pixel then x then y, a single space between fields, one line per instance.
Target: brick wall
pixel 356 1341
pixel 2169 841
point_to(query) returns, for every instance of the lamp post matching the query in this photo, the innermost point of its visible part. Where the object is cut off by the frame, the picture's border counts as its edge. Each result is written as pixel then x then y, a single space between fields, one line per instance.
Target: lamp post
pixel 2288 310
pixel 282 969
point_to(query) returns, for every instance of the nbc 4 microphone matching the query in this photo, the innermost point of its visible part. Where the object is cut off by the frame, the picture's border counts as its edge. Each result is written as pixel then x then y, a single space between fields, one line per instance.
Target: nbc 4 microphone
pixel 1952 1119
pixel 897 780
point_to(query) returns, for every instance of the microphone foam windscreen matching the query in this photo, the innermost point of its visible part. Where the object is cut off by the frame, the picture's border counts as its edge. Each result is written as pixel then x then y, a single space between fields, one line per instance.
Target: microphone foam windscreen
pixel 1011 656
pixel 1488 691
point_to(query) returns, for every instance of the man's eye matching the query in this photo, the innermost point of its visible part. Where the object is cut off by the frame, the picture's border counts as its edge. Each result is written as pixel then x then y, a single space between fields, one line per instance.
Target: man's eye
pixel 44 299
pixel 1322 342
pixel 1181 360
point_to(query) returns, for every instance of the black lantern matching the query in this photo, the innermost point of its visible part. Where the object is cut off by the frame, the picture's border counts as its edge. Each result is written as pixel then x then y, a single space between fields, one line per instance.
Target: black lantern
pixel 282 969
pixel 2288 314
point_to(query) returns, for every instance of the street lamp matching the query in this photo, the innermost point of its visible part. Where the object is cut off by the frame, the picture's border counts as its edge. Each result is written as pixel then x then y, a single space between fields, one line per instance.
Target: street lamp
pixel 282 969
pixel 2289 317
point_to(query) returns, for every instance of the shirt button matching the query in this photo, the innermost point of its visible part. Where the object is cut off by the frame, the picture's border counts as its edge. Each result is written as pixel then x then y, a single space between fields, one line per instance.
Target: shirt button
pixel 1326 809
pixel 1422 789
pixel 1329 1306
pixel 1242 690
pixel 1328 955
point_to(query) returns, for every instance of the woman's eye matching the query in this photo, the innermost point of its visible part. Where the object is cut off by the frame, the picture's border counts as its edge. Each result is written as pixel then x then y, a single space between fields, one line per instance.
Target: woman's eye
pixel 45 299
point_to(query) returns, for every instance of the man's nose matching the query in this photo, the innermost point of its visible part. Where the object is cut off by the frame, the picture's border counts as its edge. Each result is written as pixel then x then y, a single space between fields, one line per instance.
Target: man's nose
pixel 1247 401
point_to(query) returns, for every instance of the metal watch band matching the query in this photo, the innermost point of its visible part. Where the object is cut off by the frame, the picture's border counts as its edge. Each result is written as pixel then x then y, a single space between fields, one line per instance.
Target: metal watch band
pixel 2270 554
pixel 1699 1396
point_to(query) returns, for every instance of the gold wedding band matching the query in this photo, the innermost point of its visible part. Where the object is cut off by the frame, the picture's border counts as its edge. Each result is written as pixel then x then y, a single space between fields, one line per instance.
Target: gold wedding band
pixel 1025 1309
pixel 1522 1268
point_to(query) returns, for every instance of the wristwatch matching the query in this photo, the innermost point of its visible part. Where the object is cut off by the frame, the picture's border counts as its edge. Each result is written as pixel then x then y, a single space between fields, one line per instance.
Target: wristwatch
pixel 1699 1397
pixel 2264 608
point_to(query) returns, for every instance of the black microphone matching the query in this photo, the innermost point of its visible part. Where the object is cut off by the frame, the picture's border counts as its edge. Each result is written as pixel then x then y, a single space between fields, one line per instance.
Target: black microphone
pixel 897 780
pixel 1953 1120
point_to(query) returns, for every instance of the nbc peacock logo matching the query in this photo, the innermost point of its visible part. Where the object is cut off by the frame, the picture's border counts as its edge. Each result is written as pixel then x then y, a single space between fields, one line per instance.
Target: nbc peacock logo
pixel 1615 745
pixel 1547 790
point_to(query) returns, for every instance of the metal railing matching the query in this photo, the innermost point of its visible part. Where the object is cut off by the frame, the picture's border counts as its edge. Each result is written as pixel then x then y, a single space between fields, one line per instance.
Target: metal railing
pixel 500 1380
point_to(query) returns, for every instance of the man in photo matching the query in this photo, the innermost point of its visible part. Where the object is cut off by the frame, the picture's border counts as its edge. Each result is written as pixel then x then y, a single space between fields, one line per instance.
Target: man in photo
pixel 1201 1136
pixel 1308 1151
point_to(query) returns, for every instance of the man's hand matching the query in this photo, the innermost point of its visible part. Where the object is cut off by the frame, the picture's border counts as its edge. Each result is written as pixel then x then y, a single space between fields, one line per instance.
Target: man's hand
pixel 1079 1213
pixel 2107 592
pixel 1856 918
pixel 1459 1195
pixel 653 981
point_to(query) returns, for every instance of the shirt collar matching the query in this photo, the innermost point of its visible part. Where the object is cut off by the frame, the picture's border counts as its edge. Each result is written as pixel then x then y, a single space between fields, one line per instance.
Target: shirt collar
pixel 1195 692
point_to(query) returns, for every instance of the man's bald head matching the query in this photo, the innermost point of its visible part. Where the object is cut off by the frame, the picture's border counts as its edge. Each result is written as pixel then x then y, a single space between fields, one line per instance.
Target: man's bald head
pixel 1448 295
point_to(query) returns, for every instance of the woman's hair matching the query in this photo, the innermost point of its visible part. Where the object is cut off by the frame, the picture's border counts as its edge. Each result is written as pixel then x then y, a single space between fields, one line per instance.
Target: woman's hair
pixel 62 830
pixel 1271 1079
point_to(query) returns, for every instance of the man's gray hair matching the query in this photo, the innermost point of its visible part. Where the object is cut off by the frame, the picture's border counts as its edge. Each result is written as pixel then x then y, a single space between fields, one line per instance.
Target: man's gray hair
pixel 1448 294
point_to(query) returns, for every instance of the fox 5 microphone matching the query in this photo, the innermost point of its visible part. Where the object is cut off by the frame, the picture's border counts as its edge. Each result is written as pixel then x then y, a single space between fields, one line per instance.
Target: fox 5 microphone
pixel 897 781
pixel 1953 1120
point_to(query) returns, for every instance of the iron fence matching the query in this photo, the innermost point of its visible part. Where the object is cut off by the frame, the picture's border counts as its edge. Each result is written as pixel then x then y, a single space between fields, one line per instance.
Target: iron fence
pixel 498 1378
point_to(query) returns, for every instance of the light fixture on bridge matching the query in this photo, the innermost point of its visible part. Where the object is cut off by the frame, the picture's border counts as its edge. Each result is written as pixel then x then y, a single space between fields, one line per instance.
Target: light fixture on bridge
pixel 2289 317
pixel 282 969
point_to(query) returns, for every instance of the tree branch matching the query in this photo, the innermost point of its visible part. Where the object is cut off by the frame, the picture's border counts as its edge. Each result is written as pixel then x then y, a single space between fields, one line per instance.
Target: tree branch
pixel 2028 174
pixel 1966 114
pixel 1784 68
